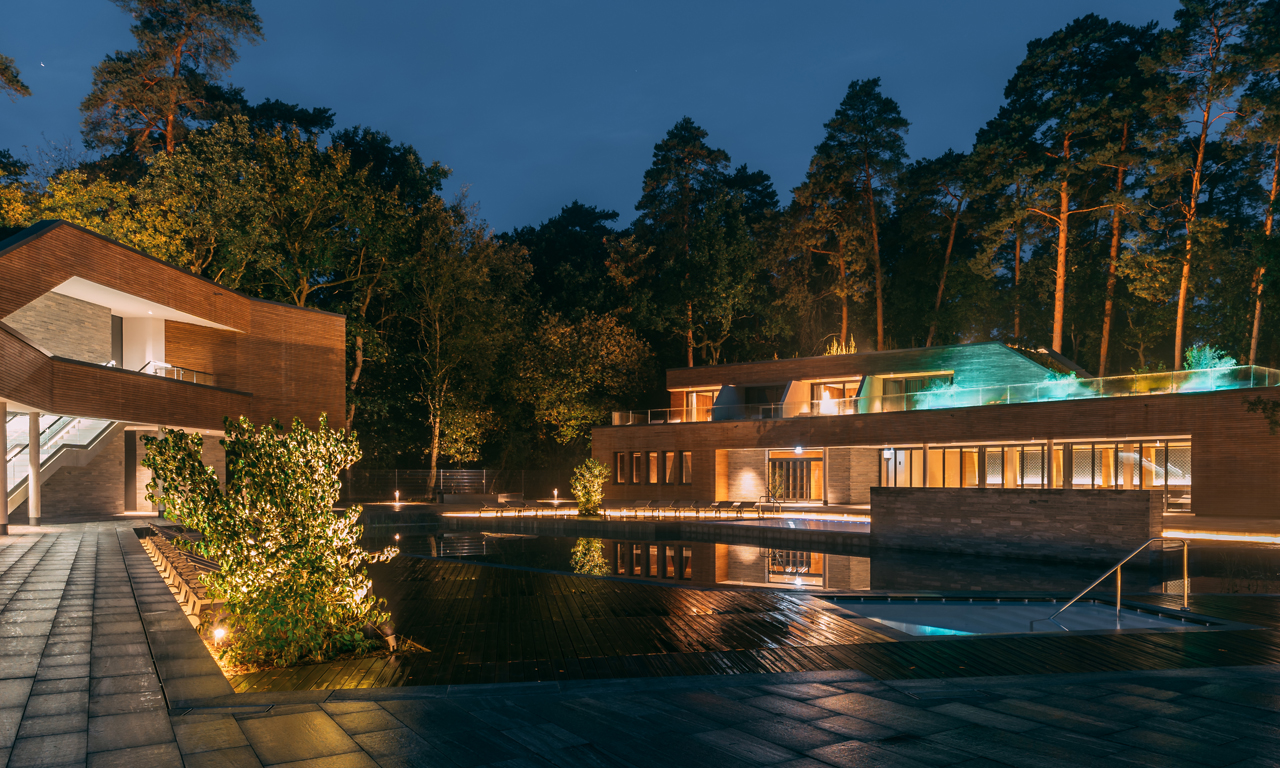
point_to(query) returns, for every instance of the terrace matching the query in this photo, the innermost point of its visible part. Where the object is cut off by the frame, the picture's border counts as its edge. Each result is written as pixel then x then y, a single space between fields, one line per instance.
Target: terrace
pixel 946 395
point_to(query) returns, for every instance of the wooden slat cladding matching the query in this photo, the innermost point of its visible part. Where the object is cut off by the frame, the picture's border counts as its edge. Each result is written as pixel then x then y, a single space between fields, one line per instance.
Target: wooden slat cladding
pixel 975 365
pixel 283 361
pixel 1233 454
pixel 199 348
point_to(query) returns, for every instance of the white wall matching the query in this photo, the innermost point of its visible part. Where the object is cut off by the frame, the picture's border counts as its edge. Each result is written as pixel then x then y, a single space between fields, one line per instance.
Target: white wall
pixel 143 342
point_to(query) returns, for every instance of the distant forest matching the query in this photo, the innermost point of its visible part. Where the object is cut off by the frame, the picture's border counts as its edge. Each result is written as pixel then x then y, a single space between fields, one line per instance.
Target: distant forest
pixel 1117 209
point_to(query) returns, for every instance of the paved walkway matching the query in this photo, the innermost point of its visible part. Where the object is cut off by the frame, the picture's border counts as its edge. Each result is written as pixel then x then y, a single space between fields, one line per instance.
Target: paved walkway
pixel 98 667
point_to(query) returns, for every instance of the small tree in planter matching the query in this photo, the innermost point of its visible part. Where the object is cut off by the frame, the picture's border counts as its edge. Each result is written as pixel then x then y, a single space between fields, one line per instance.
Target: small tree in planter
pixel 292 569
pixel 588 487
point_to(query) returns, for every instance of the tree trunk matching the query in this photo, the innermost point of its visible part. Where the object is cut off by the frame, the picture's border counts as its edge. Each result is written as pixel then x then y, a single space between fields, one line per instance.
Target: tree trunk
pixel 1266 228
pixel 355 379
pixel 1017 279
pixel 689 337
pixel 875 250
pixel 435 453
pixel 844 322
pixel 1108 306
pixel 942 281
pixel 1185 282
pixel 1060 284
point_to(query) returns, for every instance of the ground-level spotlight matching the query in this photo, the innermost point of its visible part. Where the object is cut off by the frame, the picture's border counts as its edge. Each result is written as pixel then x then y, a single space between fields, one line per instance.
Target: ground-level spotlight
pixel 218 634
pixel 397 497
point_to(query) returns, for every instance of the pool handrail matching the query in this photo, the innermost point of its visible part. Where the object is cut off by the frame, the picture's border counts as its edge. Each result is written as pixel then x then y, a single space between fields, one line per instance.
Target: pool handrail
pixel 1186 583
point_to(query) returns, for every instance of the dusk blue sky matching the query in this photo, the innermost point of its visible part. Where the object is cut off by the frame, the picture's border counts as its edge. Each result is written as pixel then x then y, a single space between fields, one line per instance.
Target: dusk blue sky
pixel 534 105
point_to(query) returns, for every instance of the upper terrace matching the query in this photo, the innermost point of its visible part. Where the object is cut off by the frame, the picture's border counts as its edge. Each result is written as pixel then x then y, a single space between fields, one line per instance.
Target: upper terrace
pixel 910 380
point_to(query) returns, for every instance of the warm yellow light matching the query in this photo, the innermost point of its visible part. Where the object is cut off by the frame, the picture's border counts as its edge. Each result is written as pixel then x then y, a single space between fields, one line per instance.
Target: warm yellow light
pixel 397 537
pixel 1261 538
pixel 218 634
pixel 828 406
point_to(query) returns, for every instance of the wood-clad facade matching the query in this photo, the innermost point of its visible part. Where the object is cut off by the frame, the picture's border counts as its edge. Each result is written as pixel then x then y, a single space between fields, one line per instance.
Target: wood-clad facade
pixel 1233 455
pixel 265 360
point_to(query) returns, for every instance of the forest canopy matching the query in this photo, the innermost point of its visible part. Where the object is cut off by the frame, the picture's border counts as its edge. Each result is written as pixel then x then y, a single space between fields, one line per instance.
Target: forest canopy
pixel 1118 209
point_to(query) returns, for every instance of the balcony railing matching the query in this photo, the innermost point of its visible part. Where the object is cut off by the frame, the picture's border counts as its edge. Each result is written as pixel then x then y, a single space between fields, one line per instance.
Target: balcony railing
pixel 180 374
pixel 1162 383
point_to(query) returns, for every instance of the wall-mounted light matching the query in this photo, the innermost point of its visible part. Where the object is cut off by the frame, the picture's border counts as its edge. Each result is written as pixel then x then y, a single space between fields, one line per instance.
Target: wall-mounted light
pixel 888 453
pixel 799 450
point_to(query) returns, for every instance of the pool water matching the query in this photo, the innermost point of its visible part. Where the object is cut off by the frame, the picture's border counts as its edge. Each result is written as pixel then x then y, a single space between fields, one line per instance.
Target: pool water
pixel 988 617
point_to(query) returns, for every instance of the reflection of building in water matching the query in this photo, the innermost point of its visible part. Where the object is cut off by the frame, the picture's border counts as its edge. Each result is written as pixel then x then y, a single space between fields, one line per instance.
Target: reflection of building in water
pixel 709 564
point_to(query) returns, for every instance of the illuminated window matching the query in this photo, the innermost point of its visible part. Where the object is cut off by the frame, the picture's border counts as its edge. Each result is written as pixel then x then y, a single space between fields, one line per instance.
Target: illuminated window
pixel 653 560
pixel 653 467
pixel 686 467
pixel 620 476
pixel 670 571
pixel 620 559
pixel 686 563
pixel 637 468
pixel 637 559
pixel 671 477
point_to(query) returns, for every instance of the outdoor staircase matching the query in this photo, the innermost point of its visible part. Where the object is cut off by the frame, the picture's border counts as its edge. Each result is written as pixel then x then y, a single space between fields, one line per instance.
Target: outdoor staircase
pixel 64 441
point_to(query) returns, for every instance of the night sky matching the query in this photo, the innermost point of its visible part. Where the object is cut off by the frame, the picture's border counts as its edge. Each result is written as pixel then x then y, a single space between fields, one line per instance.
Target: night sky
pixel 535 104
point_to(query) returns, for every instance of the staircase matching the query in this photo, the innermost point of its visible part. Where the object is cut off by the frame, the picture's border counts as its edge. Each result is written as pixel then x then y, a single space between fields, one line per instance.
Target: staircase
pixel 64 441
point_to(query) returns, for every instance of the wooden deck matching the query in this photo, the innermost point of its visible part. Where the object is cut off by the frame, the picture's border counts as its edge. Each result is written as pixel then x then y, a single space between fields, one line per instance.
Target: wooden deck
pixel 485 624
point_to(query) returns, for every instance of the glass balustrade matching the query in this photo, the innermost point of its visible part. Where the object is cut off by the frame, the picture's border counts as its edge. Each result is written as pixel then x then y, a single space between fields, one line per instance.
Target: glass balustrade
pixel 56 433
pixel 950 396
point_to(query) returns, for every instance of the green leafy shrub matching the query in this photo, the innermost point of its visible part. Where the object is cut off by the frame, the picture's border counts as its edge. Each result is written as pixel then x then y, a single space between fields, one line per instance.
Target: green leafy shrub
pixel 1203 357
pixel 292 569
pixel 1061 386
pixel 588 486
pixel 587 557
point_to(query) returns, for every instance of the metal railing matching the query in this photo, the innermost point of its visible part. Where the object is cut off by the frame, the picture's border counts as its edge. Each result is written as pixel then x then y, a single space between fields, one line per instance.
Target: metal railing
pixel 179 373
pixel 1186 584
pixel 1161 383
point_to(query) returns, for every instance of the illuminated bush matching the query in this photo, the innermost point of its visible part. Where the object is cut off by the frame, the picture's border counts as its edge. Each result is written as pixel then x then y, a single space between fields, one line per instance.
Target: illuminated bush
pixel 588 486
pixel 1212 368
pixel 292 569
pixel 1063 386
pixel 587 558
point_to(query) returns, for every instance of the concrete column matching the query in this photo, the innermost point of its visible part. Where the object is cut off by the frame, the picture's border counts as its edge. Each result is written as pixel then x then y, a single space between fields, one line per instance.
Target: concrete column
pixel 4 468
pixel 33 478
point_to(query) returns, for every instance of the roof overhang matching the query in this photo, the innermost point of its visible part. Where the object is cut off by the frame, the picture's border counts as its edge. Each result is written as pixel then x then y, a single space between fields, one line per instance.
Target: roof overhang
pixel 127 305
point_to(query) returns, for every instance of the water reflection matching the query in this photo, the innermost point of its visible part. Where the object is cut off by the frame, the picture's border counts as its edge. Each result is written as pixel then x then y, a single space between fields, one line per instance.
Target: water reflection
pixel 1215 568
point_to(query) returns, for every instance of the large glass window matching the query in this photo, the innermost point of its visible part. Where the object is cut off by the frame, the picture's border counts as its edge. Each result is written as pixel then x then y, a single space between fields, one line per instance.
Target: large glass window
pixel 1120 465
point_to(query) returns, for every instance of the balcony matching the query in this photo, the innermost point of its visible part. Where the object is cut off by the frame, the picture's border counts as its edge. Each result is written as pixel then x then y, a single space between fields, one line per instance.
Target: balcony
pixel 949 396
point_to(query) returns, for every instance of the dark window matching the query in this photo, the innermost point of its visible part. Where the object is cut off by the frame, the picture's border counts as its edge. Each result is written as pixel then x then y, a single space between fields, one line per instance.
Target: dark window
pixel 620 565
pixel 763 395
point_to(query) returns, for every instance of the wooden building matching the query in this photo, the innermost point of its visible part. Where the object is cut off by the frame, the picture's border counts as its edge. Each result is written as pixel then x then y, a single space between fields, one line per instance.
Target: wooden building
pixel 100 343
pixel 826 430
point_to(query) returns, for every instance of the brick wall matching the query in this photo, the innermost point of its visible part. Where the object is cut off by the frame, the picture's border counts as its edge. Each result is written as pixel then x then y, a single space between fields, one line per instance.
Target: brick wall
pixel 1067 525
pixel 851 474
pixel 66 327
pixel 88 492
pixel 746 475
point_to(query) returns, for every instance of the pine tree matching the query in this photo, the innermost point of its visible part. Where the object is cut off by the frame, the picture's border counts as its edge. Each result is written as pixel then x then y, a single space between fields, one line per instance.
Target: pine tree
pixel 11 83
pixel 144 100
pixel 845 193
pixel 1201 69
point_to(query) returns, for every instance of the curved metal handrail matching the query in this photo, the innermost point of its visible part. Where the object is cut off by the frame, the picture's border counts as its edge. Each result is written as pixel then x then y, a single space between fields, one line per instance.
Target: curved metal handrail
pixel 1186 582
